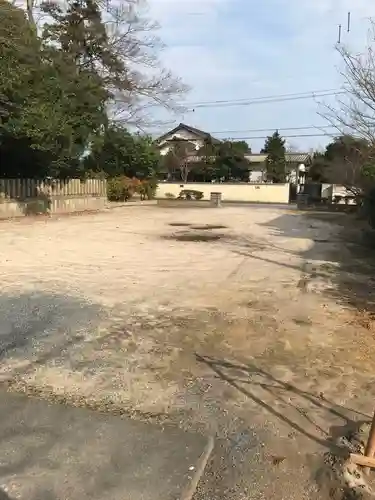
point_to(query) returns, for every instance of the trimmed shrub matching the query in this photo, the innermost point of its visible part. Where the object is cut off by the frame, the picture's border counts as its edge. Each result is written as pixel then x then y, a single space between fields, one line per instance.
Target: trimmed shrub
pixel 147 189
pixel 119 189
pixel 169 196
pixel 337 198
pixel 124 188
pixel 190 194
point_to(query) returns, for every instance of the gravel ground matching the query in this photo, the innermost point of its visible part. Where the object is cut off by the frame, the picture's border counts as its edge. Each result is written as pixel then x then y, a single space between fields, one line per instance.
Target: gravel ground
pixel 231 321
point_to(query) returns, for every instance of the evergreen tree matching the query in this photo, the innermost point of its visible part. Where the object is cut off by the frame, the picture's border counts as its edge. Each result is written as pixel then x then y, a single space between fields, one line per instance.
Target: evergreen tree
pixel 58 90
pixel 49 110
pixel 117 152
pixel 231 164
pixel 274 147
pixel 78 31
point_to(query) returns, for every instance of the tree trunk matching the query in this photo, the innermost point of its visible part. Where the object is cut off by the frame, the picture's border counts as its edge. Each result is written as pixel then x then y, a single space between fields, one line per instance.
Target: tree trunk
pixel 30 13
pixel 184 172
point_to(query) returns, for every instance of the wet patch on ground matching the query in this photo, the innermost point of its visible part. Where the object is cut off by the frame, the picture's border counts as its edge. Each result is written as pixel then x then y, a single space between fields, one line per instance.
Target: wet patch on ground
pixel 207 227
pixel 179 224
pixel 194 237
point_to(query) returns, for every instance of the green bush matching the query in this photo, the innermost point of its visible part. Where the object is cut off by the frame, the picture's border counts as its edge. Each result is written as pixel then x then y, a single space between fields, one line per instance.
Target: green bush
pixel 190 194
pixel 148 189
pixel 118 190
pixel 39 205
pixel 169 196
pixel 123 188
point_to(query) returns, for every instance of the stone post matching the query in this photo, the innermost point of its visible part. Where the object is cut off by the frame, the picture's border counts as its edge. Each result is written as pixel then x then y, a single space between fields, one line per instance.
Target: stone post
pixel 215 199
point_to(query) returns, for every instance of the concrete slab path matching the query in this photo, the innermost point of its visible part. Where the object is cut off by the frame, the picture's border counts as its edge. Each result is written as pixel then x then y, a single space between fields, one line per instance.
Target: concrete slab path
pixel 53 452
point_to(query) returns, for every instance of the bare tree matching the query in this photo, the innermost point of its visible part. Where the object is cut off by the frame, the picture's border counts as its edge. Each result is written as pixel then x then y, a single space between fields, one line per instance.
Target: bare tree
pixel 141 85
pixel 355 112
pixel 349 172
pixel 146 86
pixel 353 116
pixel 30 12
pixel 179 158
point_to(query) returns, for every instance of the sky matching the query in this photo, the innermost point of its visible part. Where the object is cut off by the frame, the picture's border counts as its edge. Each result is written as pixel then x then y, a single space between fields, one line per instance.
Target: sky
pixel 243 49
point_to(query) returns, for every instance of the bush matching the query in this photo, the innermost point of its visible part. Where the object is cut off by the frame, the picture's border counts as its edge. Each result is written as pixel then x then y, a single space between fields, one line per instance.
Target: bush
pixel 119 189
pixel 349 198
pixel 190 194
pixel 124 188
pixel 147 189
pixel 169 196
pixel 37 207
pixel 337 199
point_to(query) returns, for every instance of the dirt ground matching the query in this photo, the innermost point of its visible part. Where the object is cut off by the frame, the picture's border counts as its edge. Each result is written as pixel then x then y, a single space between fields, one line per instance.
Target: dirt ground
pixel 257 335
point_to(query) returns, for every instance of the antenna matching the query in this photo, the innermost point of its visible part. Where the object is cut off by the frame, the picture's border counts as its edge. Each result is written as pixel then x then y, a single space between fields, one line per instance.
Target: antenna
pixel 339 40
pixel 349 15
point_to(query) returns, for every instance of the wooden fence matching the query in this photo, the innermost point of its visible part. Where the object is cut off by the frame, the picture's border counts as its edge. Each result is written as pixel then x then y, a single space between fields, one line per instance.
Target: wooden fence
pixel 20 197
pixel 21 189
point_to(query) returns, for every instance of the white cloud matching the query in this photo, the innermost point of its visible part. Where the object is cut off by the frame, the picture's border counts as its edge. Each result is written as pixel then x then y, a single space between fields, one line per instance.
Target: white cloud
pixel 232 49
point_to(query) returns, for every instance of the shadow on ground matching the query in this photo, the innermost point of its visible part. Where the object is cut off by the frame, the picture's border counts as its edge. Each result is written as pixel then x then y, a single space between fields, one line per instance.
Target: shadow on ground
pixel 341 251
pixel 4 496
pixel 279 397
pixel 36 328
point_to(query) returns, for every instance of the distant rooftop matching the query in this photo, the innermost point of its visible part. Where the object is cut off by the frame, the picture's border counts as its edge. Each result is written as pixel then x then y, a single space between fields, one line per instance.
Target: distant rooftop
pixel 192 130
pixel 252 158
pixel 290 157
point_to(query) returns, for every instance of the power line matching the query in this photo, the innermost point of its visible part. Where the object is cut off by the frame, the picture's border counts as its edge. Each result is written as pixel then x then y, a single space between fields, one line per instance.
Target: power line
pixel 266 97
pixel 265 100
pixel 284 136
pixel 275 96
pixel 310 127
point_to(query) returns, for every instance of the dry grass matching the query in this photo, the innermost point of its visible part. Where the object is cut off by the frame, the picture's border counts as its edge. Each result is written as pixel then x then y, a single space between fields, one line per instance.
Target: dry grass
pixel 204 334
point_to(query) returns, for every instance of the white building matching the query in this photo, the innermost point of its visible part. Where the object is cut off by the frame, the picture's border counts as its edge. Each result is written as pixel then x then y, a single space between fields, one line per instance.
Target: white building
pixel 197 138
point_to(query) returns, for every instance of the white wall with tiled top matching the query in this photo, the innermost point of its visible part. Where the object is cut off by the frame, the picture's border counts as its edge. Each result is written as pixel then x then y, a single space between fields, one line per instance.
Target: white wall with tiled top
pixel 251 193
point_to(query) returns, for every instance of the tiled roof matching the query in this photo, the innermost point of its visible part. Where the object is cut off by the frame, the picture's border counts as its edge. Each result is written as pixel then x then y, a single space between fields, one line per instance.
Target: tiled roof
pixel 193 130
pixel 290 157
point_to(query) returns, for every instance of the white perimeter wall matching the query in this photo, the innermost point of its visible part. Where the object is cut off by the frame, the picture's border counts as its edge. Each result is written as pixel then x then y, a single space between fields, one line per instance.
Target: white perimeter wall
pixel 331 190
pixel 261 193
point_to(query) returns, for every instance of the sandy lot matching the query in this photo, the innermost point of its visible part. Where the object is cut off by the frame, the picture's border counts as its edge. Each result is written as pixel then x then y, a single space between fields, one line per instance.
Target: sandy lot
pixel 255 333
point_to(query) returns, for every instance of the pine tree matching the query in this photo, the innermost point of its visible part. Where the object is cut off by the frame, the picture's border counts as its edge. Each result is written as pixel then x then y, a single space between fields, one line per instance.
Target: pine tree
pixel 274 147
pixel 80 32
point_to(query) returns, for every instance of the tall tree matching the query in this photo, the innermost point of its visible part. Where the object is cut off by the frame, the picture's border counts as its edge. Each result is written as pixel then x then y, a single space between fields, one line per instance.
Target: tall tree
pixel 117 152
pixel 178 159
pixel 354 118
pixel 80 33
pixel 115 40
pixel 353 111
pixel 349 161
pixel 50 110
pixel 275 163
pixel 134 39
pixel 203 170
pixel 240 147
pixel 30 4
pixel 319 170
pixel 231 164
